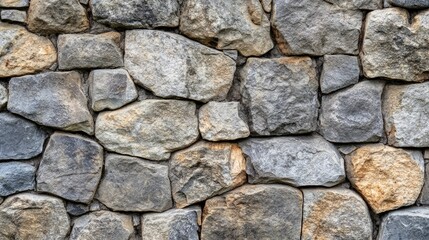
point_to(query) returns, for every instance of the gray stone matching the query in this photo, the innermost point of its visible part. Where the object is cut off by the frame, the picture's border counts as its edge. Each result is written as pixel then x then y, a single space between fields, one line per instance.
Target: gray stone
pixel 3 97
pixel 298 161
pixel 239 24
pixel 171 65
pixel 412 4
pixel 89 51
pixel 407 223
pixel 14 16
pixel 14 3
pixel 150 129
pixel 71 167
pixel 426 154
pixel 357 4
pixel 19 138
pixel 85 2
pixel 339 71
pixel 53 99
pixel 111 89
pixel 97 206
pixel 280 95
pixel 353 114
pixel 76 209
pixel 16 177
pixel 424 195
pixel 266 5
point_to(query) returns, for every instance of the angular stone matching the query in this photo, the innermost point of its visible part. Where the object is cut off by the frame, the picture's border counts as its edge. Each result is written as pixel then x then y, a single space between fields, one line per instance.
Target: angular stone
pixel 357 4
pixel 407 223
pixel 298 161
pixel 22 52
pixel 387 177
pixel 33 216
pixel 16 177
pixel 280 95
pixel 205 170
pixel 171 65
pixel 316 27
pixel 14 16
pixel 53 99
pixel 76 209
pixel 150 129
pixel 335 213
pixel 136 14
pixel 353 114
pixel 89 51
pixel 339 71
pixel 71 167
pixel 254 212
pixel 239 24
pixel 111 89
pixel 3 97
pixel 412 4
pixel 14 3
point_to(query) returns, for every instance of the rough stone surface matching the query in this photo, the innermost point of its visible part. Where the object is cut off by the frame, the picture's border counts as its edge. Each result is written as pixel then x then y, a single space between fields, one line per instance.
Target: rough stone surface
pixel 254 212
pixel 32 216
pixel 150 129
pixel 387 177
pixel 204 170
pixel 280 95
pixel 16 177
pixel 14 3
pixel 299 161
pixel 3 97
pixel 76 209
pixel 353 114
pixel 407 223
pixel 339 71
pixel 240 25
pixel 71 167
pixel 357 4
pixel 171 65
pixel 266 5
pixel 424 195
pixel 14 16
pixel 53 99
pixel 412 4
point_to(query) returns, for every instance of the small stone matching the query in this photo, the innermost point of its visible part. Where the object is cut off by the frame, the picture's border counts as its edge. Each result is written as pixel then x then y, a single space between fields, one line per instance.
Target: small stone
pixel 14 16
pixel 76 209
pixel 53 99
pixel 97 206
pixel 150 129
pixel 346 149
pixel 171 65
pixel 280 95
pixel 426 154
pixel 71 167
pixel 239 24
pixel 353 114
pixel 14 3
pixel 298 161
pixel 407 223
pixel 424 194
pixel 33 216
pixel 16 177
pixel 205 170
pixel 111 89
pixel 3 97
pixel 388 178
pixel 339 71
pixel 77 51
pixel 411 4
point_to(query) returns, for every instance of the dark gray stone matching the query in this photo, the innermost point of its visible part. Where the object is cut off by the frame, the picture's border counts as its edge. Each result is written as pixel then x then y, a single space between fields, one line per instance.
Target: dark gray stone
pixel 13 16
pixel 16 177
pixel 76 209
pixel 407 223
pixel 424 195
pixel 339 71
pixel 412 4
pixel 3 97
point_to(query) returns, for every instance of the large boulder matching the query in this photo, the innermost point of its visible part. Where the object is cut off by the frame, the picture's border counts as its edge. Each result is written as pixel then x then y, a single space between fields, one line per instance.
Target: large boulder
pixel 16 177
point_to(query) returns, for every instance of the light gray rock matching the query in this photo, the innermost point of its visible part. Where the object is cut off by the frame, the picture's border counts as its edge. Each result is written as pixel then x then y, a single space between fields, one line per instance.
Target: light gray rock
pixel 357 4
pixel 239 24
pixel 298 161
pixel 53 99
pixel 353 114
pixel 339 71
pixel 85 2
pixel 16 177
pixel 280 95
pixel 424 195
pixel 3 97
pixel 14 3
pixel 407 223
pixel 266 5
pixel 412 4
pixel 76 209
pixel 13 16
pixel 171 65
pixel 71 167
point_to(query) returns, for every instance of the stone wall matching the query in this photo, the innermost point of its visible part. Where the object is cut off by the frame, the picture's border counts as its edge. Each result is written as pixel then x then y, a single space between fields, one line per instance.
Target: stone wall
pixel 214 119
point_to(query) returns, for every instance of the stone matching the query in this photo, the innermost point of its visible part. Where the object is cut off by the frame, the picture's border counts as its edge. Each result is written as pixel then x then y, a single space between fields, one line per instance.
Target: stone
pixel 84 2
pixel 33 216
pixel 136 14
pixel 3 97
pixel 424 194
pixel 102 225
pixel 222 121
pixel 19 138
pixel 316 27
pixel 150 129
pixel 280 95
pixel 407 223
pixel 266 5
pixel 53 99
pixel 335 213
pixel 426 154
pixel 76 209
pixel 353 114
pixel 204 170
pixel 16 177
pixel 254 212
pixel 57 16
pixel 111 89
pixel 76 51
pixel 357 4
pixel 14 16
pixel 240 25
pixel 411 4
pixel 22 52
pixel 14 3
pixel 71 167
pixel 294 160
pixel 388 178
pixel 171 65
pixel 134 185
pixel 339 71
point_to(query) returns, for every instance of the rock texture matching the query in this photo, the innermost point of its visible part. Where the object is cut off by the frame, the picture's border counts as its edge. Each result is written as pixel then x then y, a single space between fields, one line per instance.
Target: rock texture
pixel 339 71
pixel 16 177
pixel 407 223
pixel 3 97
pixel 14 3
pixel 13 16
pixel 357 4
pixel 412 4
pixel 424 195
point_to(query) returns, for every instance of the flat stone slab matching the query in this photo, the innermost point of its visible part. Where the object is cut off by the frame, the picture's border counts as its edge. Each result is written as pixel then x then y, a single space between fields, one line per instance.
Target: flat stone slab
pixel 16 177
pixel 339 71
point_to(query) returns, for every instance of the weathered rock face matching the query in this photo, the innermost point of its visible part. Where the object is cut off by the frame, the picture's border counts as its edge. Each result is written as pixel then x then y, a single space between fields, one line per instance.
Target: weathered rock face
pixel 280 95
pixel 32 216
pixel 339 71
pixel 335 213
pixel 353 114
pixel 407 223
pixel 76 209
pixel 150 129
pixel 171 65
pixel 16 177
pixel 22 52
pixel 240 25
pixel 412 4
pixel 204 170
pixel 357 4
pixel 14 3
pixel 3 97
pixel 387 177
pixel 71 167
pixel 299 161
pixel 13 16
pixel 424 195
pixel 53 99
